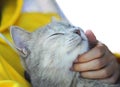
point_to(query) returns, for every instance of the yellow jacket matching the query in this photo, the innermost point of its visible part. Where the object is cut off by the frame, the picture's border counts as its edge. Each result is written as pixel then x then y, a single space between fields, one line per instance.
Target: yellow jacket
pixel 11 71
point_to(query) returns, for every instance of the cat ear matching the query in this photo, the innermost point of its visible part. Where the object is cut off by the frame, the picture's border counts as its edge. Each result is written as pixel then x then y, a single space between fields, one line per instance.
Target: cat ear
pixel 19 36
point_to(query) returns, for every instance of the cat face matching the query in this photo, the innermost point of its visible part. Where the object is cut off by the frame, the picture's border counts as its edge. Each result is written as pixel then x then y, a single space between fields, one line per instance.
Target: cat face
pixel 56 43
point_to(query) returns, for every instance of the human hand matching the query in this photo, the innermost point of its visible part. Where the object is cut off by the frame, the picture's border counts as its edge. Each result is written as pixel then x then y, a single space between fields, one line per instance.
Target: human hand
pixel 98 63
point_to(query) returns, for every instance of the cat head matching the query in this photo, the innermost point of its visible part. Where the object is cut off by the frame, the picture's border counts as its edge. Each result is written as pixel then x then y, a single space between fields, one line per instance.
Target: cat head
pixel 56 43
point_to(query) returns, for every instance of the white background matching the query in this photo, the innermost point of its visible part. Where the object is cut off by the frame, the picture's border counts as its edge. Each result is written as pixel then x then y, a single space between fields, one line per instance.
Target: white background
pixel 101 16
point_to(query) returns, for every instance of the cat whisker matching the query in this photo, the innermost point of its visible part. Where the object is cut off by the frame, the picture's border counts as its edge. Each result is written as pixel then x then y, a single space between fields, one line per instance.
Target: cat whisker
pixel 74 42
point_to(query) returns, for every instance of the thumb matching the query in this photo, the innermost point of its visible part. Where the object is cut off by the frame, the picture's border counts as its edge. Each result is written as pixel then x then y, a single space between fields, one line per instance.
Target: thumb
pixel 91 38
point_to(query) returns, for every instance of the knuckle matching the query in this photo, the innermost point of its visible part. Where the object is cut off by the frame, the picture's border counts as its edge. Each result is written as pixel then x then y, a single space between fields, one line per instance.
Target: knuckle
pixel 105 73
pixel 99 64
pixel 100 51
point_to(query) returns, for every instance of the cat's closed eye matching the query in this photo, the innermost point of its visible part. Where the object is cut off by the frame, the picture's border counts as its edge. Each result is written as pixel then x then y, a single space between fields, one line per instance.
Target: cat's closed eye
pixel 57 34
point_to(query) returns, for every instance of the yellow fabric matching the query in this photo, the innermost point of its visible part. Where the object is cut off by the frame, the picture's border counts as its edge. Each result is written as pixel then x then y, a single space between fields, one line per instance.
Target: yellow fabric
pixel 117 56
pixel 9 83
pixel 9 77
pixel 11 10
pixel 11 70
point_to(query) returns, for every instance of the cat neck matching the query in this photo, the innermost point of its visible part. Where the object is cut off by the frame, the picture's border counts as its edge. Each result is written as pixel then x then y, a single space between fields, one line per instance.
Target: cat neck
pixel 55 78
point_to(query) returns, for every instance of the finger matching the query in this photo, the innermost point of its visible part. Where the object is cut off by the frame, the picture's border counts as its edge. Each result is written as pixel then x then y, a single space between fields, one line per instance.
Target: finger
pixel 91 65
pixel 94 53
pixel 91 37
pixel 99 74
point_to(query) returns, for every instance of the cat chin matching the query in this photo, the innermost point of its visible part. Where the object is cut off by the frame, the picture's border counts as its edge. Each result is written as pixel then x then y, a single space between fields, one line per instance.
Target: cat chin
pixel 67 58
pixel 70 57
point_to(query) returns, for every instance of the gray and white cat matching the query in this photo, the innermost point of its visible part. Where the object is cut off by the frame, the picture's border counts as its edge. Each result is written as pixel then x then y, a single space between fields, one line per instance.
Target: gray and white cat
pixel 48 53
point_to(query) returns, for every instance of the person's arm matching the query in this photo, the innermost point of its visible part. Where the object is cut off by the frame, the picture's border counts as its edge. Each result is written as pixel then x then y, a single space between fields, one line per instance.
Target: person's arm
pixel 98 63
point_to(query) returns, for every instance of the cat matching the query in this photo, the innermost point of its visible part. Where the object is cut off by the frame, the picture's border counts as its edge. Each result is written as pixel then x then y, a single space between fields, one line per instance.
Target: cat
pixel 48 53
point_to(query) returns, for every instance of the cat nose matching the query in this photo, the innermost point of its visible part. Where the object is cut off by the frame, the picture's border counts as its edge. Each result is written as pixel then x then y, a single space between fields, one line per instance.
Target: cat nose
pixel 77 32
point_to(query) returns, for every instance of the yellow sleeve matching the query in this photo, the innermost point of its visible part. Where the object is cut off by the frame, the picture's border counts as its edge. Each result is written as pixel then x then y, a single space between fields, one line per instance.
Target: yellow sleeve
pixel 117 55
pixel 11 70
pixel 9 76
pixel 9 83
